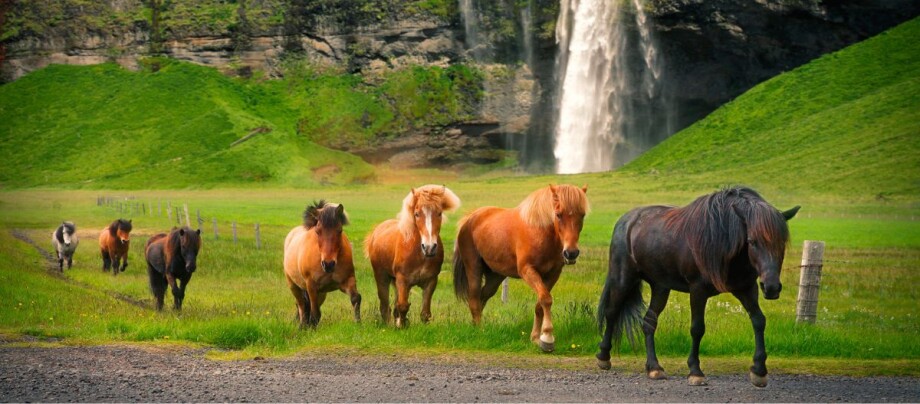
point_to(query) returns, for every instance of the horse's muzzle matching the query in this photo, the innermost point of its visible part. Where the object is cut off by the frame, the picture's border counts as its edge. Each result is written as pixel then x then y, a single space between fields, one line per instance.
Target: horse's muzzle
pixel 771 292
pixel 328 266
pixel 429 250
pixel 570 256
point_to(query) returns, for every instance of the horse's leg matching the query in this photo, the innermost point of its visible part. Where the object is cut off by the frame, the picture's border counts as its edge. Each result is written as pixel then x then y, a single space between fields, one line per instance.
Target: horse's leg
pixel 69 262
pixel 176 292
pixel 543 319
pixel 427 293
pixel 350 287
pixel 157 285
pixel 313 297
pixel 301 300
pixel 402 301
pixel 320 299
pixel 698 301
pixel 124 264
pixel 106 260
pixel 113 259
pixel 182 285
pixel 474 286
pixel 493 281
pixel 748 299
pixel 649 325
pixel 383 294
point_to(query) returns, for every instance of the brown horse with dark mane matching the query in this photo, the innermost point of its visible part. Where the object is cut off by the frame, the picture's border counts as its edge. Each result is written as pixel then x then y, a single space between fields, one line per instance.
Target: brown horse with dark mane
pixel 532 241
pixel 171 260
pixel 404 252
pixel 721 242
pixel 113 244
pixel 318 260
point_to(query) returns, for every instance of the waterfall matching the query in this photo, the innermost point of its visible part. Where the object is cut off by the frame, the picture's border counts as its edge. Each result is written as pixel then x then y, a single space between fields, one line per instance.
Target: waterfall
pixel 606 101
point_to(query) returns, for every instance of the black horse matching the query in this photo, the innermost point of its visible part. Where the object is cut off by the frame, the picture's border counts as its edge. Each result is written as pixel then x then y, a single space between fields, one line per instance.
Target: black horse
pixel 721 242
pixel 172 257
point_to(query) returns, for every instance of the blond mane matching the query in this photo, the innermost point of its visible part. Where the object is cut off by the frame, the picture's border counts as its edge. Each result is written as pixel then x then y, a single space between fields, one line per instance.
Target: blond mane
pixel 538 209
pixel 426 196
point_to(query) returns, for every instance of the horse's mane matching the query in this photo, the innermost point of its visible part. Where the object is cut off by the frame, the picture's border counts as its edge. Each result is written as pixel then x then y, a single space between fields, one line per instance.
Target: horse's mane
pixel 428 195
pixel 713 226
pixel 538 209
pixel 174 240
pixel 120 223
pixel 59 233
pixel 317 213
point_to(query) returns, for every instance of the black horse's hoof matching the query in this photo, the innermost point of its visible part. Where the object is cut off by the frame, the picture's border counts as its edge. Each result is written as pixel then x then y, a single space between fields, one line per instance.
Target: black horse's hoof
pixel 697 380
pixel 604 365
pixel 758 381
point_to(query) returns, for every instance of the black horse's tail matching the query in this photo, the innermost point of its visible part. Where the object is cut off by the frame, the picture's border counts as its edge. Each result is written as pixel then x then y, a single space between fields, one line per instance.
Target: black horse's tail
pixel 625 318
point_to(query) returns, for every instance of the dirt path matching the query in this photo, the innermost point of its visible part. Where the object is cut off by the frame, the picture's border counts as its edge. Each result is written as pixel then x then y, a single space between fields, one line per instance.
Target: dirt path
pixel 123 373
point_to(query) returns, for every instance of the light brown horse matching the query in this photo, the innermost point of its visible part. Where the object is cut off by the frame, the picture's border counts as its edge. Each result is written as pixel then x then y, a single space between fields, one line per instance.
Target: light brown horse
pixel 404 252
pixel 318 260
pixel 113 244
pixel 532 241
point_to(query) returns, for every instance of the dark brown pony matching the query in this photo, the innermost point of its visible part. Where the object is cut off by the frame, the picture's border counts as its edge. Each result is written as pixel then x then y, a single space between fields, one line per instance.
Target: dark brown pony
pixel 532 241
pixel 113 244
pixel 404 251
pixel 721 242
pixel 171 257
pixel 318 260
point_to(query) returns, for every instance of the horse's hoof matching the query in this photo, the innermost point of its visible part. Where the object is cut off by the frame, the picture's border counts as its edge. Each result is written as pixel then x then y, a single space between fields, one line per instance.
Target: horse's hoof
pixel 758 381
pixel 547 346
pixel 697 380
pixel 604 365
pixel 657 375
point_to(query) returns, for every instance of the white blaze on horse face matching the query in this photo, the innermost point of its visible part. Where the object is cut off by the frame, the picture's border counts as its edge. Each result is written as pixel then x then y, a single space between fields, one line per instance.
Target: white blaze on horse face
pixel 427 237
pixel 66 236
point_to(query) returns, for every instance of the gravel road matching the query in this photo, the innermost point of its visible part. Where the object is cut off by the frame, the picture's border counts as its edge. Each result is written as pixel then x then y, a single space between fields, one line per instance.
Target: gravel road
pixel 129 373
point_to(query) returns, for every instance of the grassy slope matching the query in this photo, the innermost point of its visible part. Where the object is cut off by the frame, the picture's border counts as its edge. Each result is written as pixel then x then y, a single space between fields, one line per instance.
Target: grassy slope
pixel 847 123
pixel 68 125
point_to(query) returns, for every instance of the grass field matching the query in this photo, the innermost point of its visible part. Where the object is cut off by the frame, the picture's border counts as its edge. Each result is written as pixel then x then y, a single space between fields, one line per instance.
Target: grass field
pixel 238 299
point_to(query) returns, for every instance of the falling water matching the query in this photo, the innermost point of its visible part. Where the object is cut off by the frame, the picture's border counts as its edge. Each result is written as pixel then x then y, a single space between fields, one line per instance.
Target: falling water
pixel 598 93
pixel 470 27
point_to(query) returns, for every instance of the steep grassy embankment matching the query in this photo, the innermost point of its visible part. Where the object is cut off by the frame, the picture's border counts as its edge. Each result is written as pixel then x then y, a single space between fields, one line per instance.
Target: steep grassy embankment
pixel 104 126
pixel 847 123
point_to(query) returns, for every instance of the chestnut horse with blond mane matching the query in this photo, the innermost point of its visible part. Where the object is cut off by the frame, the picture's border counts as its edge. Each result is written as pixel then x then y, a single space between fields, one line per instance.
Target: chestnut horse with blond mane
pixel 318 260
pixel 532 241
pixel 114 242
pixel 404 252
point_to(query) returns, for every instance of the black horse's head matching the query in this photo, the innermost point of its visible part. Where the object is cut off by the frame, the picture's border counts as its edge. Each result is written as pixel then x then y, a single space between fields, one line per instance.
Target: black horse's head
pixel 186 243
pixel 766 236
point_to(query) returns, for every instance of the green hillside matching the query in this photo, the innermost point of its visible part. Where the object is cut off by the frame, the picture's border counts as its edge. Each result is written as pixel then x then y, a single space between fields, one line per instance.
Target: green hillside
pixel 104 126
pixel 847 123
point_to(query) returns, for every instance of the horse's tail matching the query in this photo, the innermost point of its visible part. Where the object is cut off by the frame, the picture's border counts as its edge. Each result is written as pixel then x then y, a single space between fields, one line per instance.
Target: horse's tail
pixel 621 307
pixel 461 285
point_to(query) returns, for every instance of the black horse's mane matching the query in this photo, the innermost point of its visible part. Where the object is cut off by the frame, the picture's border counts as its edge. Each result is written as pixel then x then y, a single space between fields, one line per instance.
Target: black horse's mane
pixel 716 227
pixel 318 214
pixel 119 224
pixel 59 233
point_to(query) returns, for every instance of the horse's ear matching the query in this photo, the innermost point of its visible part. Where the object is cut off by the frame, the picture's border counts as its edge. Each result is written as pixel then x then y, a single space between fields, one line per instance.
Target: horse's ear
pixel 552 190
pixel 129 221
pixel 198 231
pixel 585 188
pixel 738 212
pixel 182 231
pixel 340 213
pixel 310 217
pixel 789 214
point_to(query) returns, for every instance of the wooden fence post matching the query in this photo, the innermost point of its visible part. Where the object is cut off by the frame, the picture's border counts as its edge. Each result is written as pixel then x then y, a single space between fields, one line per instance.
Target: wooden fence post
pixel 168 211
pixel 178 217
pixel 258 238
pixel 214 220
pixel 200 220
pixel 188 221
pixel 234 232
pixel 806 307
pixel 505 291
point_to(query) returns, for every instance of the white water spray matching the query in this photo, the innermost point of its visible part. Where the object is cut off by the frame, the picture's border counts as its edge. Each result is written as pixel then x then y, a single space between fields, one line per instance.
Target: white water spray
pixel 594 105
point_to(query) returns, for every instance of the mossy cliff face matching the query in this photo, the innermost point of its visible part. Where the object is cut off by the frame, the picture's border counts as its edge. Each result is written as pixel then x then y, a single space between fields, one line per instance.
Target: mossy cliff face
pixel 713 50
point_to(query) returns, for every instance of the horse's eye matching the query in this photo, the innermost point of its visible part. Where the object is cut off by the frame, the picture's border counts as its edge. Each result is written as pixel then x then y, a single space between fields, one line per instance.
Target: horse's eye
pixel 559 216
pixel 416 214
